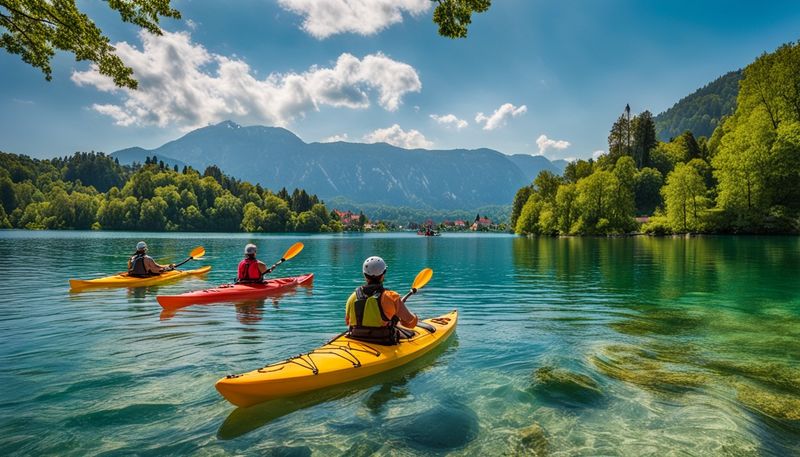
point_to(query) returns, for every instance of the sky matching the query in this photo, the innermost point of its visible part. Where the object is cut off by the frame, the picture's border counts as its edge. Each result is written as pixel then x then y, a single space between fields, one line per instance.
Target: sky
pixel 532 77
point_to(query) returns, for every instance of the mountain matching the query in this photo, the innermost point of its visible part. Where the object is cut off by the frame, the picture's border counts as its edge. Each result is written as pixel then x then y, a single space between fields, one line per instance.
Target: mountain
pixel 532 165
pixel 701 111
pixel 137 154
pixel 361 173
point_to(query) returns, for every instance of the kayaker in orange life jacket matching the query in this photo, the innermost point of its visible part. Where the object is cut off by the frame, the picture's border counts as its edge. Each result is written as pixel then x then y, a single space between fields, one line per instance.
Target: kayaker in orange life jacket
pixel 141 265
pixel 372 312
pixel 250 269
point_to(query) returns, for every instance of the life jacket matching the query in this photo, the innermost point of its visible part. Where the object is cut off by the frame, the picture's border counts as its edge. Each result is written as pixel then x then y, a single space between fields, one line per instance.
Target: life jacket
pixel 367 320
pixel 248 271
pixel 138 268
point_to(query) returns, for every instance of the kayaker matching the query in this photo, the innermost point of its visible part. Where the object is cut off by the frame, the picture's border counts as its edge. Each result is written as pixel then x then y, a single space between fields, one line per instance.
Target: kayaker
pixel 141 265
pixel 251 269
pixel 372 312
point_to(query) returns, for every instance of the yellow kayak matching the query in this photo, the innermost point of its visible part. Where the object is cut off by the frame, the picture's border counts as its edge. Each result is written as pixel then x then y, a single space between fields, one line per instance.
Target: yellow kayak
pixel 339 361
pixel 123 280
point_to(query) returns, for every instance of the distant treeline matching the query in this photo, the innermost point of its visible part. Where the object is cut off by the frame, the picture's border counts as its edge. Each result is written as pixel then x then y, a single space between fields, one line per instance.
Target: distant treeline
pixel 744 179
pixel 93 191
pixel 404 215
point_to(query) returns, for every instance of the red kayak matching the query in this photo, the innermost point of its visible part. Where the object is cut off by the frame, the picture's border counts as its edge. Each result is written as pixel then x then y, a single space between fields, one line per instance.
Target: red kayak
pixel 233 292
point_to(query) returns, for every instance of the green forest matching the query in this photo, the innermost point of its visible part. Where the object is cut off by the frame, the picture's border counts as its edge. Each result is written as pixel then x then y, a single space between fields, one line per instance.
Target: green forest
pixel 745 178
pixel 702 111
pixel 93 191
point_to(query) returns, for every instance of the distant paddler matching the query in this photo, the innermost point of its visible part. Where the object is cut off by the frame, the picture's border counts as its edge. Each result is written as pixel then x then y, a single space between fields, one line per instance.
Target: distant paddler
pixel 252 270
pixel 141 265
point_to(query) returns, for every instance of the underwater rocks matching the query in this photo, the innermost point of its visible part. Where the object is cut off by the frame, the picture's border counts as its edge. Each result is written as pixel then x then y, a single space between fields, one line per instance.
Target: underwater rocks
pixel 532 441
pixel 779 406
pixel 631 364
pixel 565 387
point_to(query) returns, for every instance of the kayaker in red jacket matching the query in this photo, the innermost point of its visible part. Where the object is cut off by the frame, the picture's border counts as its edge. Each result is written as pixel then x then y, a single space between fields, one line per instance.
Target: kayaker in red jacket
pixel 372 312
pixel 250 269
pixel 141 265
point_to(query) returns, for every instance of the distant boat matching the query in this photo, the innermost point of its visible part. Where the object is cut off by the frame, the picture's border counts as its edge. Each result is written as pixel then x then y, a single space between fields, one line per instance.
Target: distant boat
pixel 428 233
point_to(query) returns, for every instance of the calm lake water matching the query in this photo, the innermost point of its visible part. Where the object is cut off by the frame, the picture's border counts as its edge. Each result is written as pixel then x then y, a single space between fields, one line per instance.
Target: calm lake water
pixel 634 346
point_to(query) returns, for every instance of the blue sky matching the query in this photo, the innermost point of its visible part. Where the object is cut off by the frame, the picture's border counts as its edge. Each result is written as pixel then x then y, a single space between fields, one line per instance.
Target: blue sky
pixel 547 77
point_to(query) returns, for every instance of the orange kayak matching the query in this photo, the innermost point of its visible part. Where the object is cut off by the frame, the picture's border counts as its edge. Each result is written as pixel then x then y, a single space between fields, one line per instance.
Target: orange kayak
pixel 232 292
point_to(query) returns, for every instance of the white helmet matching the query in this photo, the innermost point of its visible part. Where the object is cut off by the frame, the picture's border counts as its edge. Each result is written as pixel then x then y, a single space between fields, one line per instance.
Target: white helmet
pixel 250 249
pixel 141 246
pixel 374 266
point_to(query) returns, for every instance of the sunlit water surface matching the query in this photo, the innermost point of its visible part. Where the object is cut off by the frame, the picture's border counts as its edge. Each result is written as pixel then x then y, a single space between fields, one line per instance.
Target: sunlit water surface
pixel 634 346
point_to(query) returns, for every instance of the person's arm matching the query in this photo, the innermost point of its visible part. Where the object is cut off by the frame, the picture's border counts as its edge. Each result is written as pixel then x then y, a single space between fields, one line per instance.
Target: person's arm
pixel 407 318
pixel 350 303
pixel 153 267
pixel 262 267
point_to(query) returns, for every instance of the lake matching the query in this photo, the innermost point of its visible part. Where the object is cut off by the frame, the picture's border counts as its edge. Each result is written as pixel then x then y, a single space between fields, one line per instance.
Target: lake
pixel 575 346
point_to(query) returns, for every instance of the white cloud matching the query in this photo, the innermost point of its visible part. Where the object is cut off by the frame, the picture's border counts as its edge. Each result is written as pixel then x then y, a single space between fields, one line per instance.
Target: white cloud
pixel 191 24
pixel 335 138
pixel 596 154
pixel 545 143
pixel 181 83
pixel 396 136
pixel 323 18
pixel 500 116
pixel 450 120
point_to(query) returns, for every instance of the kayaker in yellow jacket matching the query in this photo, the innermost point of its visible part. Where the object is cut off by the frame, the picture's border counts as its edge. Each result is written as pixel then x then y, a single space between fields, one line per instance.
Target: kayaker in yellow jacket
pixel 372 312
pixel 141 265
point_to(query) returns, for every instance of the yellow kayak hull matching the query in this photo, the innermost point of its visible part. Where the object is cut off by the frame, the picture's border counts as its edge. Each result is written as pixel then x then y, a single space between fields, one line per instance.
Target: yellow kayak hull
pixel 123 280
pixel 340 361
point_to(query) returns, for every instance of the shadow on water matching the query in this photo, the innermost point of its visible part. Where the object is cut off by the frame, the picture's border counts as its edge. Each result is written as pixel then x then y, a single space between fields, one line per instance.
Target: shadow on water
pixel 247 311
pixel 246 420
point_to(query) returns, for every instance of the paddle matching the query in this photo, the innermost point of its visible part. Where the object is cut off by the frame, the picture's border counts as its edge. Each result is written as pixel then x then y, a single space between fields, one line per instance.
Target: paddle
pixel 420 281
pixel 291 252
pixel 196 253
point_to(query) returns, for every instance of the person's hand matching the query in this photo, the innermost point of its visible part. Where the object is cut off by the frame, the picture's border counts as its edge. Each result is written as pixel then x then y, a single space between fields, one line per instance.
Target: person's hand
pixel 171 267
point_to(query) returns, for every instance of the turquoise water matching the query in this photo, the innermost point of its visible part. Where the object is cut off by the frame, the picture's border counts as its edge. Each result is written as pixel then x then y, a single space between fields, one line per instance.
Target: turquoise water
pixel 634 346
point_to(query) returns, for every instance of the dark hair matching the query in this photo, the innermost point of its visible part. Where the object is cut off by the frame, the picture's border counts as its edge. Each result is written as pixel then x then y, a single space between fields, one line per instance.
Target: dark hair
pixel 374 279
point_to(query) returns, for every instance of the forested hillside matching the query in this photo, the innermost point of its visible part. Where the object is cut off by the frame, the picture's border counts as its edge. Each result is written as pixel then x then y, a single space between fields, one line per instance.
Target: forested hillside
pixel 744 179
pixel 700 112
pixel 93 191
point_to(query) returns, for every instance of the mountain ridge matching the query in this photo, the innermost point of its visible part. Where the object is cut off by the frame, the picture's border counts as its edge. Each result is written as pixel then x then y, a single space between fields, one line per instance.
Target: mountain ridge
pixel 368 173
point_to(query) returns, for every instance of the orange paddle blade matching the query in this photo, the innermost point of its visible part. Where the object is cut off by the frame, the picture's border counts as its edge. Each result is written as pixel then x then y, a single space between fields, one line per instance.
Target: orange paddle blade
pixel 197 252
pixel 422 278
pixel 293 251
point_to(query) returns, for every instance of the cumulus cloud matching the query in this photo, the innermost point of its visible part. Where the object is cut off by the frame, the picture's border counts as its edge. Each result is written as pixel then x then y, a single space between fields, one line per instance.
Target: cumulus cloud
pixel 596 154
pixel 335 138
pixel 545 143
pixel 396 136
pixel 323 18
pixel 183 84
pixel 450 120
pixel 500 116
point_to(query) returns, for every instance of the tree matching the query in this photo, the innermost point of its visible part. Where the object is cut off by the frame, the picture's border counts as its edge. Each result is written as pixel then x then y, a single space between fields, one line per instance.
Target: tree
pixel 454 16
pixel 35 29
pixel 647 190
pixel 684 195
pixel 618 139
pixel 644 138
pixel 520 199
pixel 546 184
